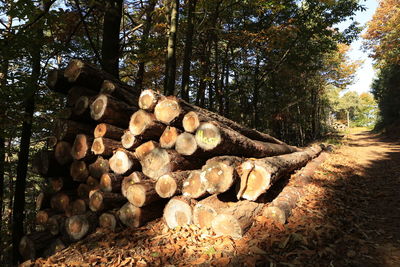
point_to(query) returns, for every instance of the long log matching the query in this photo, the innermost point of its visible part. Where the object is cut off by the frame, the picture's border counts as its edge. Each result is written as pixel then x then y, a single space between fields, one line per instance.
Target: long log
pixel 178 211
pixel 169 185
pixel 30 246
pixel 133 178
pixel 66 130
pixel 76 92
pixel 235 220
pixel 109 110
pixel 78 226
pixel 99 167
pixel 145 124
pixel 62 152
pixel 148 99
pixel 56 223
pixel 108 220
pixel 79 171
pixel 207 209
pixel 64 183
pixel 130 141
pixel 142 194
pixel 124 162
pixel 162 161
pixel 104 146
pixel 99 201
pixel 84 190
pixel 144 149
pixel 79 206
pixel 194 186
pixel 121 91
pixel 81 147
pixel 57 82
pixel 186 145
pixel 111 182
pixel 172 109
pixel 258 175
pixel 60 201
pixel 169 136
pixel 43 216
pixel 45 163
pixel 219 173
pixel 108 131
pixel 219 140
pixel 132 216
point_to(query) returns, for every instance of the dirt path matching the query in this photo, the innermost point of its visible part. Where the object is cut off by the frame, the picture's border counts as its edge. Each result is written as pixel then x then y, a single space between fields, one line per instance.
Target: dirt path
pixel 350 216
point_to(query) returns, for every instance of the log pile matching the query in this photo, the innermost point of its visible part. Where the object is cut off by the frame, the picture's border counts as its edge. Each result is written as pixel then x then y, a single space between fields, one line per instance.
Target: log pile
pixel 123 158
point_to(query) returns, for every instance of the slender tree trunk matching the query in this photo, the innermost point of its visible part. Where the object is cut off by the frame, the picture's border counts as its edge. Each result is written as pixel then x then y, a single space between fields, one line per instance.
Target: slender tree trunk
pixel 188 50
pixel 143 44
pixel 23 155
pixel 170 70
pixel 111 29
pixel 256 117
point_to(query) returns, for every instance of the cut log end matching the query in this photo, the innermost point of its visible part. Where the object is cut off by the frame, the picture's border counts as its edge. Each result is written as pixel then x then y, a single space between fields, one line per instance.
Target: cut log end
pixel 140 194
pixel 96 202
pixel 108 221
pixel 81 105
pixel 56 183
pixel 218 176
pixel 194 186
pixel 79 171
pixel 98 107
pixel 80 147
pixel 190 122
pixel 107 87
pixel 177 213
pixel 148 100
pixel 98 146
pixel 139 121
pixel 208 136
pixel 27 248
pixel 62 152
pixel 166 186
pixel 79 207
pixel 106 183
pixel 156 163
pixel 120 162
pixel 144 149
pixel 100 130
pixel 186 144
pixel 169 136
pixel 128 140
pixel 275 213
pixel 73 70
pixel 258 180
pixel 227 225
pixel 134 177
pixel 77 226
pixel 167 110
pixel 203 215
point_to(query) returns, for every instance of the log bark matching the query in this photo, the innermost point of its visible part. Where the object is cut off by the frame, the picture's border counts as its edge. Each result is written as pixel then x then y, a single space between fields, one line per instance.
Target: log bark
pixel 257 176
pixel 162 161
pixel 109 110
pixel 207 209
pixel 111 182
pixel 45 163
pixel 104 146
pixel 124 162
pixel 60 201
pixel 108 221
pixel 79 206
pixel 78 226
pixel 76 92
pixel 219 140
pixel 62 152
pixel 148 99
pixel 120 91
pixel 81 147
pixel 171 184
pixel 144 149
pixel 219 173
pixel 56 223
pixel 57 82
pixel 178 211
pixel 30 246
pixel 145 124
pixel 186 145
pixel 133 178
pixel 84 190
pixel 66 130
pixel 99 167
pixel 79 171
pixel 237 219
pixel 92 182
pixel 99 201
pixel 194 186
pixel 85 74
pixel 43 216
pixel 142 193
pixel 130 141
pixel 106 130
pixel 169 136
pixel 132 216
pixel 174 109
pixel 64 183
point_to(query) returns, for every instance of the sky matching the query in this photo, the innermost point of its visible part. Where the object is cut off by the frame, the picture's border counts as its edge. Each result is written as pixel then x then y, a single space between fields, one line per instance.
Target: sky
pixel 365 73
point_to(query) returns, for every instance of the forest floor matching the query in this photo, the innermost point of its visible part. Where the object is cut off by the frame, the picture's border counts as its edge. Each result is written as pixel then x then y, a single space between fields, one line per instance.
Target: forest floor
pixel 350 216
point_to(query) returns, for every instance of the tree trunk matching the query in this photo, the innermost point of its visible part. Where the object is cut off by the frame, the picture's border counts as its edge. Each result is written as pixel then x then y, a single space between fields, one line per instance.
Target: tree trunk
pixel 178 212
pixel 171 184
pixel 143 45
pixel 145 124
pixel 121 91
pixel 256 117
pixel 133 178
pixel 108 131
pixel 111 182
pixel 207 209
pixel 169 136
pixel 187 56
pixel 170 68
pixel 235 220
pixel 194 186
pixel 78 226
pixel 99 167
pixel 23 155
pixel 99 201
pixel 258 175
pixel 57 82
pixel 142 194
pixel 104 146
pixel 111 29
pixel 220 140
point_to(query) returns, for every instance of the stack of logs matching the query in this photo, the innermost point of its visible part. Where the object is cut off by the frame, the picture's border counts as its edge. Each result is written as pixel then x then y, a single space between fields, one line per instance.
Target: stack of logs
pixel 122 158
